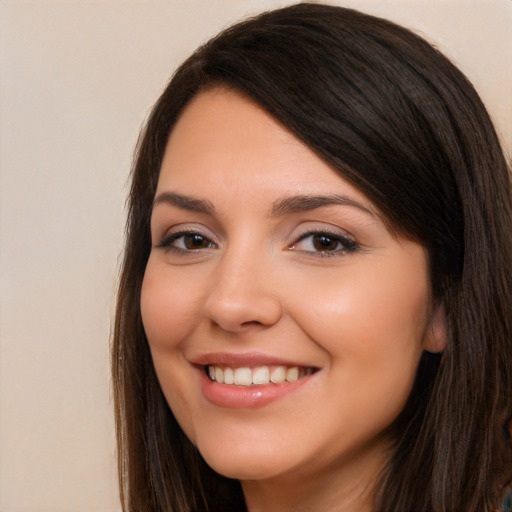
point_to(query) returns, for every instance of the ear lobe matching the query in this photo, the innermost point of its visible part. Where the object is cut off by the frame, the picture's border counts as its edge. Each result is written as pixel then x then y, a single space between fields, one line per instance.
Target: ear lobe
pixel 436 335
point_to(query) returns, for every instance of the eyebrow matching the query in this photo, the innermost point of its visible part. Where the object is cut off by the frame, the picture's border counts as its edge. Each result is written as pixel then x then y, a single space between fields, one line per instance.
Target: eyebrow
pixel 285 206
pixel 301 203
pixel 185 202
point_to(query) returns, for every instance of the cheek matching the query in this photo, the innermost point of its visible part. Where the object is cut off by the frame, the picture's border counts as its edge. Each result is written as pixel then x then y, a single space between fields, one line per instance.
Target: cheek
pixel 371 321
pixel 169 306
pixel 369 306
pixel 169 313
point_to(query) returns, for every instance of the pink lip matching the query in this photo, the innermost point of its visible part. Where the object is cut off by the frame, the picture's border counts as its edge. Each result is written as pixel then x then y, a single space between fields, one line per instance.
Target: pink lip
pixel 249 359
pixel 231 396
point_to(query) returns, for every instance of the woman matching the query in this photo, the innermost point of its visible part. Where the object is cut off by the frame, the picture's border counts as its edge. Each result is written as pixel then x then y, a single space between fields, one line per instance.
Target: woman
pixel 314 307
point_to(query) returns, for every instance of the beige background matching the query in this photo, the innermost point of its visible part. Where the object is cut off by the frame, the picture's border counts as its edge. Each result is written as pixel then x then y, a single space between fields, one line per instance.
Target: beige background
pixel 77 79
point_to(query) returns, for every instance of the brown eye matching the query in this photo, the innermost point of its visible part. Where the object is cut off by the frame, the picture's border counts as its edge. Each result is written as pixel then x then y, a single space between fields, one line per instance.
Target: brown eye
pixel 325 243
pixel 184 241
pixel 194 241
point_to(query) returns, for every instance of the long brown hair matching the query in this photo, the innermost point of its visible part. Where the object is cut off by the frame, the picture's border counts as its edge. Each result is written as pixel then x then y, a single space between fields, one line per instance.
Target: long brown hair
pixel 400 122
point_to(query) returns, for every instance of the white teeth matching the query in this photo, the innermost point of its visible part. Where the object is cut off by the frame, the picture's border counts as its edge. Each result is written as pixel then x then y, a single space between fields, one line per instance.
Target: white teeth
pixel 243 377
pixel 259 376
pixel 278 375
pixel 219 374
pixel 292 374
pixel 229 376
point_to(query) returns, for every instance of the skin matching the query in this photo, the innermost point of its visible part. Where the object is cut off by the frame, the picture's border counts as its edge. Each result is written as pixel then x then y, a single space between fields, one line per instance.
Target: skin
pixel 360 313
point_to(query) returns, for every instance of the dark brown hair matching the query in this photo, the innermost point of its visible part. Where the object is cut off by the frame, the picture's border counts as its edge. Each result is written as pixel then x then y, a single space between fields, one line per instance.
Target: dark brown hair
pixel 400 122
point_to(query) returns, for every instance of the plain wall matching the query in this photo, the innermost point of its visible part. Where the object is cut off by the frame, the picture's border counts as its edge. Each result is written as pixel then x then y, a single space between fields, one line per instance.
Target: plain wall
pixel 77 79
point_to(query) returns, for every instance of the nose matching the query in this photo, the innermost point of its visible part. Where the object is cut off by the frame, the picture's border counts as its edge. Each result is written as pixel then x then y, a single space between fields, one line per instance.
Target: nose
pixel 243 293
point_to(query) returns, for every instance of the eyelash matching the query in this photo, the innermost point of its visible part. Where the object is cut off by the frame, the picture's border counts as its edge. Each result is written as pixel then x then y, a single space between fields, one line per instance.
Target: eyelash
pixel 168 242
pixel 347 244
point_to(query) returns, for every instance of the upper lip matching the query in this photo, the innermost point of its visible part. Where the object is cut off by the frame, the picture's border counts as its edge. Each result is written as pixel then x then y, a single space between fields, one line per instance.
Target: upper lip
pixel 237 359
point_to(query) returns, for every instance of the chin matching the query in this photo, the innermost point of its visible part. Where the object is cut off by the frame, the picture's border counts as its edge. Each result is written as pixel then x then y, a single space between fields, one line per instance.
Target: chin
pixel 244 463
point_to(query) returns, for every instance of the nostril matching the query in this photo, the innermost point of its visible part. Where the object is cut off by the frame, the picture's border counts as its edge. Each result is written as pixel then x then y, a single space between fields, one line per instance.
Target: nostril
pixel 242 308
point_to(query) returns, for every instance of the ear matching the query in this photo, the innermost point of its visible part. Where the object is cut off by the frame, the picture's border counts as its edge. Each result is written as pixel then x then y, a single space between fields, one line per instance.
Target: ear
pixel 436 335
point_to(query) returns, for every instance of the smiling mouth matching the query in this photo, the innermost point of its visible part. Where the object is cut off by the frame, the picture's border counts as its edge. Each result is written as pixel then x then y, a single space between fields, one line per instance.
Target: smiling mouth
pixel 256 376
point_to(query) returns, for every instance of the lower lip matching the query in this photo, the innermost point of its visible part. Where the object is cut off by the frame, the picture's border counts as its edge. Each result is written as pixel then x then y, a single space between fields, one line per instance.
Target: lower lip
pixel 235 397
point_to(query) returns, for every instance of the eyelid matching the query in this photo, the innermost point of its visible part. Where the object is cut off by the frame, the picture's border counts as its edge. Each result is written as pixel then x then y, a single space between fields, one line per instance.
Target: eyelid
pixel 309 227
pixel 175 232
pixel 349 244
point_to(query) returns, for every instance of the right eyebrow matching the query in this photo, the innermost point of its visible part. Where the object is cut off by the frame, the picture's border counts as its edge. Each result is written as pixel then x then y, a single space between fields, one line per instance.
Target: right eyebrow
pixel 185 202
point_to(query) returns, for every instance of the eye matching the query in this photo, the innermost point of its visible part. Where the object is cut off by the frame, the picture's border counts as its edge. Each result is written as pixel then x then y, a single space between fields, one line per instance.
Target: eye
pixel 187 241
pixel 325 244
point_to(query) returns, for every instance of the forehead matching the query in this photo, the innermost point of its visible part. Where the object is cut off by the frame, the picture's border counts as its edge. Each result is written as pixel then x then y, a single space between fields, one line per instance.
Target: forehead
pixel 224 137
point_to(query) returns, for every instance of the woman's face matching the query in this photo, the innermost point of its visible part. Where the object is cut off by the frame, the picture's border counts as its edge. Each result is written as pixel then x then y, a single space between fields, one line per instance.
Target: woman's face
pixel 285 321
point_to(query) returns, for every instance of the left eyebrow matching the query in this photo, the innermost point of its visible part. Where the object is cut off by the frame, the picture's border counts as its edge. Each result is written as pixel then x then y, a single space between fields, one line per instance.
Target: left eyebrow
pixel 302 203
